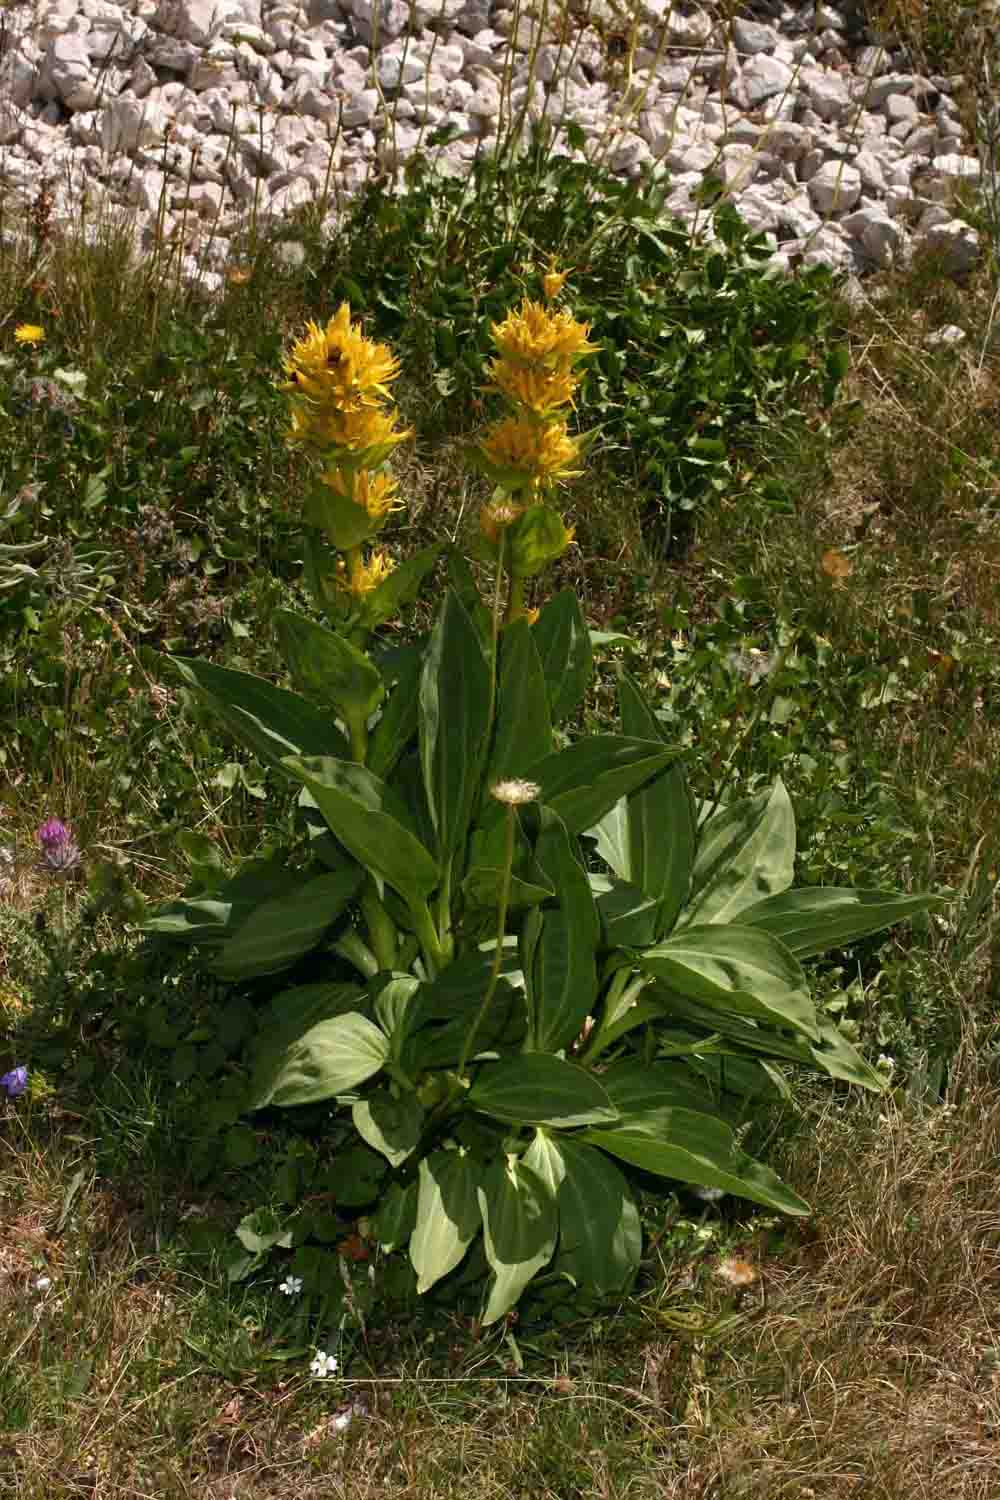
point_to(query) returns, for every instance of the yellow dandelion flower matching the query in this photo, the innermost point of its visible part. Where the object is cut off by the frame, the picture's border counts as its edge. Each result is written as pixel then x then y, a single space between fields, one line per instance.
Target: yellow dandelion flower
pixel 338 365
pixel 362 577
pixel 543 453
pixel 536 335
pixel 29 333
pixel 375 493
pixel 539 390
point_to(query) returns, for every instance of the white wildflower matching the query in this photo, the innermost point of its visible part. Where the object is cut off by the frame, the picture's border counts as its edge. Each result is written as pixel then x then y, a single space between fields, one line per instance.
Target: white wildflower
pixel 324 1365
pixel 515 793
pixel 291 1286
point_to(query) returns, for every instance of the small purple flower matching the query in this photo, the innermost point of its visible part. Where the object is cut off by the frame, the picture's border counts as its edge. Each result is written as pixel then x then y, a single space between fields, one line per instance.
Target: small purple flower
pixel 59 849
pixel 15 1082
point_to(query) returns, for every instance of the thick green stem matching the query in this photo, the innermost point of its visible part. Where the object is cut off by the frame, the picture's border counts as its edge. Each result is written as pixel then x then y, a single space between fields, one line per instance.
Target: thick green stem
pixel 508 861
pixel 381 928
pixel 435 954
pixel 356 951
pixel 357 728
pixel 515 599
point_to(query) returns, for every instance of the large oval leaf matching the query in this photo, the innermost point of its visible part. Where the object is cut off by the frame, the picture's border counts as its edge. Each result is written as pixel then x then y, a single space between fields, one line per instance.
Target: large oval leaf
pixel 737 969
pixel 282 930
pixel 328 667
pixel 519 1231
pixel 562 985
pixel 331 1058
pixel 448 1215
pixel 536 1089
pixel 691 1147
pixel 583 781
pixel 523 726
pixel 269 720
pixel 660 820
pixel 746 852
pixel 359 809
pixel 600 1235
pixel 394 1219
pixel 454 723
pixel 389 1124
pixel 635 1087
pixel 563 643
pixel 814 920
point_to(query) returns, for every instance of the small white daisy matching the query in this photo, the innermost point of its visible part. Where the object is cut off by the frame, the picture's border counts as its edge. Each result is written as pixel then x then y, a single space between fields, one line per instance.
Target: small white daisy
pixel 291 1286
pixel 324 1365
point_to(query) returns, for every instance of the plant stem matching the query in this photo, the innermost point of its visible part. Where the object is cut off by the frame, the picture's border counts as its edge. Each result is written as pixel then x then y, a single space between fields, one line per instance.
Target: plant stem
pixel 356 951
pixel 435 954
pixel 508 861
pixel 381 928
pixel 515 599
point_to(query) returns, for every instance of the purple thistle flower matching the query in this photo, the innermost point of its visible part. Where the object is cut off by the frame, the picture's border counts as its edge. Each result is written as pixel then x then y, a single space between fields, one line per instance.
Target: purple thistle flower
pixel 59 849
pixel 15 1082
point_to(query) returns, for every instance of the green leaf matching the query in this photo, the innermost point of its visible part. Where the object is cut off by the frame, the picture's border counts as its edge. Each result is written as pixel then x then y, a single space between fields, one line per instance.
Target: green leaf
pixel 344 523
pixel 400 587
pixel 523 726
pixel 737 969
pixel 394 1219
pixel 448 1215
pixel 746 852
pixel 563 644
pixel 519 1231
pixel 537 1089
pixel 562 983
pixel 363 813
pixel 281 930
pixel 635 1087
pixel 328 668
pixel 813 920
pixel 538 537
pixel 629 918
pixel 660 820
pixel 262 1230
pixel 600 1235
pixel 484 881
pixel 397 725
pixel 583 781
pixel 839 1059
pixel 454 723
pixel 688 1146
pixel 356 1178
pixel 293 1012
pixel 271 722
pixel 332 1057
pixel 394 1005
pixel 388 1124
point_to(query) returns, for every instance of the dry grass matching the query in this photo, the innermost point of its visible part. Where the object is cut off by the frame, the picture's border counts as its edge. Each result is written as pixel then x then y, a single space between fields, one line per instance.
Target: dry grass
pixel 865 1360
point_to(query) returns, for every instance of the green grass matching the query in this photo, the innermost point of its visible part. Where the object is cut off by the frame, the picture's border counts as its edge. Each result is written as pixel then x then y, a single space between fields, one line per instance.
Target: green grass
pixel 816 596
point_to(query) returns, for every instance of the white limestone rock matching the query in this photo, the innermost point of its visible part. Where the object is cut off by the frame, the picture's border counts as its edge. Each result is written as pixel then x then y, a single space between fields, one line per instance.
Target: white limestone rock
pixel 835 188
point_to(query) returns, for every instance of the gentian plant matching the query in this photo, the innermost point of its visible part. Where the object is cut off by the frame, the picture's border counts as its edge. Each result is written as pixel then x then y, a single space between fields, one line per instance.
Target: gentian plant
pixel 565 970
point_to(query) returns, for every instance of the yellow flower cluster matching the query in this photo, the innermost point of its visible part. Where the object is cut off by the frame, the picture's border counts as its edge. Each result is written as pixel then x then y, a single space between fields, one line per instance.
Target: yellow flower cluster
pixel 339 382
pixel 531 451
